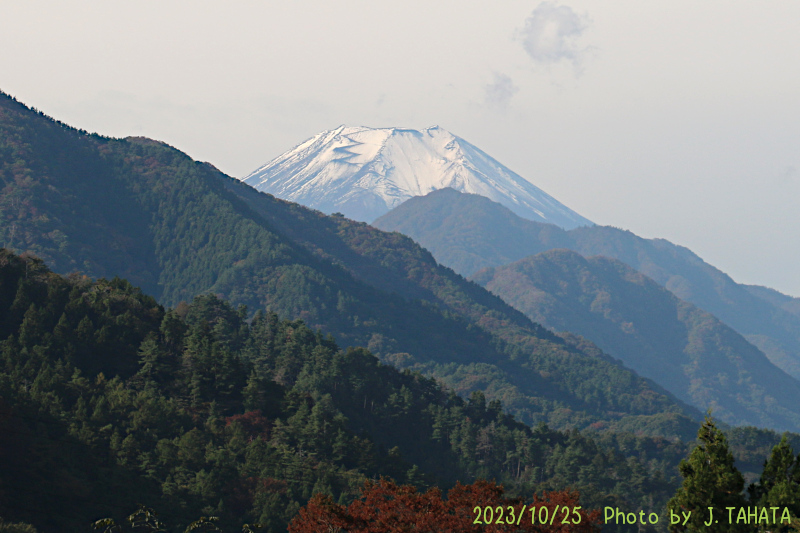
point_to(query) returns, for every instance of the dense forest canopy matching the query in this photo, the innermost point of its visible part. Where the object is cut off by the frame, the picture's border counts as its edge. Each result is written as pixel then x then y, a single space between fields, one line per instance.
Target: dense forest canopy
pixel 109 399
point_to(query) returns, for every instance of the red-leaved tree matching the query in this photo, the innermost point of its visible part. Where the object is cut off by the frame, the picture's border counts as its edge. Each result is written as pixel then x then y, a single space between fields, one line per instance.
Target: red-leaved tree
pixel 385 507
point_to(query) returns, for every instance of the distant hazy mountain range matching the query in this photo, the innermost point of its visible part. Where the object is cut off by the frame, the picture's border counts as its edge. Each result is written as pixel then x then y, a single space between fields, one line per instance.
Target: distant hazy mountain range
pixel 660 335
pixel 468 232
pixel 686 350
pixel 362 172
pixel 179 228
pixel 365 172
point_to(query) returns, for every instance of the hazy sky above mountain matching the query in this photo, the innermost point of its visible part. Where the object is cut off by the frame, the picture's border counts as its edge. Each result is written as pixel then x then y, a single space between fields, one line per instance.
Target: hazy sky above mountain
pixel 672 119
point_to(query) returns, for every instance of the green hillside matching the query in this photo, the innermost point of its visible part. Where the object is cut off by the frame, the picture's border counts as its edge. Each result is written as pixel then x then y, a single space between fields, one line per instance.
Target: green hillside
pixel 686 350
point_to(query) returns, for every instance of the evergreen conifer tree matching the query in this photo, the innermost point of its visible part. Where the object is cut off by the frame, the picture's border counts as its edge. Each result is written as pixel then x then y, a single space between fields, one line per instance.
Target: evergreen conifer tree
pixel 779 485
pixel 710 479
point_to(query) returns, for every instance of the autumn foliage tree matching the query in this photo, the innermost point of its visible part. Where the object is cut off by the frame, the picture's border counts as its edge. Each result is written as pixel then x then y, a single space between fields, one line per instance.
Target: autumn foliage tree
pixel 387 507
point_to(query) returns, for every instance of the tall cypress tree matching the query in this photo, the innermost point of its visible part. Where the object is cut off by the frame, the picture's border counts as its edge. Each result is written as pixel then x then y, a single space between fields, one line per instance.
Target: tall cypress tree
pixel 710 479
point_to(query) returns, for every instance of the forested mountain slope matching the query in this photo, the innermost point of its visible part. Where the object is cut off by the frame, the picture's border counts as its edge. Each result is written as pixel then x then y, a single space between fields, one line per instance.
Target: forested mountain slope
pixel 686 350
pixel 181 228
pixel 468 232
pixel 108 400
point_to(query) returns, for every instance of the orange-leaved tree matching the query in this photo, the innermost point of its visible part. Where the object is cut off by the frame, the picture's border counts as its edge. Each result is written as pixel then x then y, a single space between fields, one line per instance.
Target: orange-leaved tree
pixel 385 507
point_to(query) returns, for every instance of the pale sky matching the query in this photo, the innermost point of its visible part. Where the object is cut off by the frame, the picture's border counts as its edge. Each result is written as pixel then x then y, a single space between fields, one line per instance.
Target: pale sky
pixel 675 119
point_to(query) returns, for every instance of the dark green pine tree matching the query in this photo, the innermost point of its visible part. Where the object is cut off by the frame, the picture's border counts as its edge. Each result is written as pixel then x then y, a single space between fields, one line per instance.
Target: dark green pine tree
pixel 710 479
pixel 253 393
pixel 779 485
pixel 152 366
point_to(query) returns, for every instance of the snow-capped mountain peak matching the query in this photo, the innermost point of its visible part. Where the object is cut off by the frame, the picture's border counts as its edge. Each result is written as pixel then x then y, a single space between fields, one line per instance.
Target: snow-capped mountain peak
pixel 365 172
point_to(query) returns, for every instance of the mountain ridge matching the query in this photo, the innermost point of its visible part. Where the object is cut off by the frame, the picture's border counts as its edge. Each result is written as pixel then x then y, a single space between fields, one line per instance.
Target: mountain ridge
pixel 469 232
pixel 364 172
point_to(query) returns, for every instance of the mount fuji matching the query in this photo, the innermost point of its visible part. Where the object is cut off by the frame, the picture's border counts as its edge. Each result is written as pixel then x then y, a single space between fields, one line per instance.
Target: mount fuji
pixel 365 172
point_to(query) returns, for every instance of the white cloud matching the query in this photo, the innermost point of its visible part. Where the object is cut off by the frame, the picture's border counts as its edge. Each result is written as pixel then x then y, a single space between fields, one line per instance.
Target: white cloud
pixel 499 93
pixel 551 33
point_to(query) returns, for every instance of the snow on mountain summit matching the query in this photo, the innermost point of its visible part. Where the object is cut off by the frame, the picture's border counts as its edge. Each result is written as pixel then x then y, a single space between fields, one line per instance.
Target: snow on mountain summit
pixel 365 172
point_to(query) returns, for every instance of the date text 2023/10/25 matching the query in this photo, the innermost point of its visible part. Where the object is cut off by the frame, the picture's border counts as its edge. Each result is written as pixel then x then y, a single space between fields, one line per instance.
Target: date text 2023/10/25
pixel 538 515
